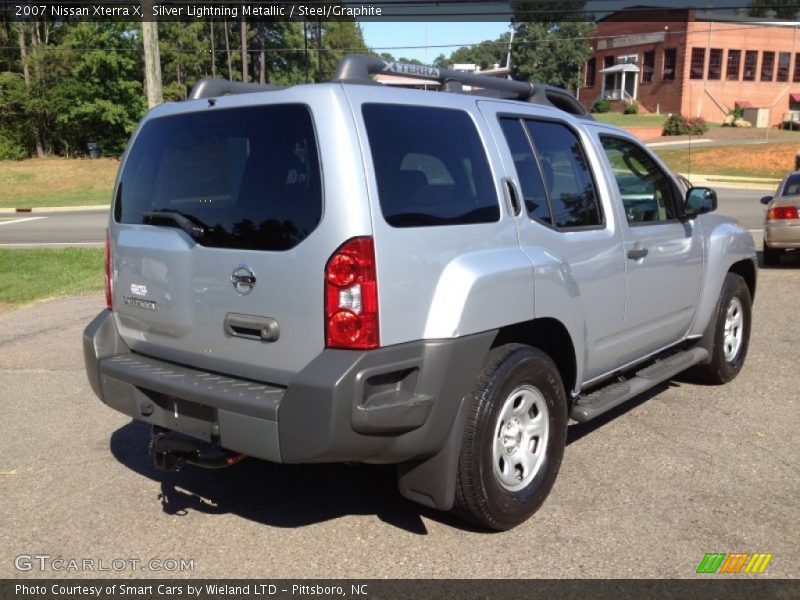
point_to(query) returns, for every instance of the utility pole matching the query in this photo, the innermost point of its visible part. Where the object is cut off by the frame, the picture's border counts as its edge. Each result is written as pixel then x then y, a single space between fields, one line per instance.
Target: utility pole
pixel 152 57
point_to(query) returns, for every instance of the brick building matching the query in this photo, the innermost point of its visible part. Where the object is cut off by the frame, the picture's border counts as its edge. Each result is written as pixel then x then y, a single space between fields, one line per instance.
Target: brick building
pixel 695 63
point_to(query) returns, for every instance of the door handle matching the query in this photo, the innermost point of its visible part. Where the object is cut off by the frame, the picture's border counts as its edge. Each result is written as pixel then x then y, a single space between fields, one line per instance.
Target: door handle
pixel 637 253
pixel 251 327
pixel 513 197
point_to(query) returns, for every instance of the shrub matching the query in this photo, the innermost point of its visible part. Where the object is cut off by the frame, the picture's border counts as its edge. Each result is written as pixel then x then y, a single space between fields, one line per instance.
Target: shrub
pixel 631 109
pixel 680 125
pixel 11 150
pixel 601 106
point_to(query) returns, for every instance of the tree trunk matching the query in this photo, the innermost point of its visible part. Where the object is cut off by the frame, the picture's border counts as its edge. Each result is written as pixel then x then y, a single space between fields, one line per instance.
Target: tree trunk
pixel 244 49
pixel 26 75
pixel 262 64
pixel 152 58
pixel 319 51
pixel 213 52
pixel 228 52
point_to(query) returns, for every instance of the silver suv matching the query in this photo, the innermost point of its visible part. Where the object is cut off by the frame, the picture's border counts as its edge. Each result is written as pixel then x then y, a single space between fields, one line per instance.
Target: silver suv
pixel 349 272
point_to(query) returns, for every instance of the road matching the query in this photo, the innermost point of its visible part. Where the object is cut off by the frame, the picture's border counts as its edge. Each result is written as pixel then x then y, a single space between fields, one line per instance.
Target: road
pixel 644 491
pixel 88 227
pixel 78 228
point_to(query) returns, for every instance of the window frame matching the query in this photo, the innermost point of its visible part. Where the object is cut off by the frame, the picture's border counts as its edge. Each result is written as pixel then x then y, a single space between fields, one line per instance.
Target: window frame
pixel 673 53
pixel 715 75
pixel 737 75
pixel 673 185
pixel 747 55
pixel 764 55
pixel 701 69
pixel 603 223
pixel 648 67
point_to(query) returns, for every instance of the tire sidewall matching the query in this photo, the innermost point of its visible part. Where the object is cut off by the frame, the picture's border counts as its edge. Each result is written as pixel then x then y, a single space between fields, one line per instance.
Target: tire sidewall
pixel 734 287
pixel 522 367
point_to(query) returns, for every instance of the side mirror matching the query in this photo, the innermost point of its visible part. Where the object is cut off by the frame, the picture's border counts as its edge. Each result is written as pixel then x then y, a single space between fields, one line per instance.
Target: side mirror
pixel 766 199
pixel 699 200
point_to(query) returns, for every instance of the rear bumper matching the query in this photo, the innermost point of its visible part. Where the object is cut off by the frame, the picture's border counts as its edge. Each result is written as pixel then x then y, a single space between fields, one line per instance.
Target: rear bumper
pixel 388 405
pixel 782 234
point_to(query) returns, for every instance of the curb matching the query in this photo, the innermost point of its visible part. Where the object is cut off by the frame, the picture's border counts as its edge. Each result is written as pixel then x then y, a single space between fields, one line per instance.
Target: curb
pixel 55 209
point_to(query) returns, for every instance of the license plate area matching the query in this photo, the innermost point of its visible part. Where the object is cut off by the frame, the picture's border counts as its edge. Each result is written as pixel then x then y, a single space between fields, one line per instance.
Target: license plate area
pixel 184 416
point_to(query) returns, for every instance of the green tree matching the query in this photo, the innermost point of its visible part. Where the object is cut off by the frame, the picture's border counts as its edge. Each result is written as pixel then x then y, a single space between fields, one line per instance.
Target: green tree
pixel 339 38
pixel 551 51
pixel 784 9
pixel 102 98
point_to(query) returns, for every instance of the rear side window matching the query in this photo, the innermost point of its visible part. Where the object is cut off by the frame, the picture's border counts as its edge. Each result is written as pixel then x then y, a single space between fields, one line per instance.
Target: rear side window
pixel 430 166
pixel 569 182
pixel 249 176
pixel 528 173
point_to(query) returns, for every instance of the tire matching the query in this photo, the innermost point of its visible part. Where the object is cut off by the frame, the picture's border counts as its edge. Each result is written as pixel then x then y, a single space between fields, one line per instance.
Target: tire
pixel 727 358
pixel 518 414
pixel 772 256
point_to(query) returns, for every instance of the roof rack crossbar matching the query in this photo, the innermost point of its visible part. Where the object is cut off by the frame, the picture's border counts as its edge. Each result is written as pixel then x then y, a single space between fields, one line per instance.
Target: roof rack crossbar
pixel 210 88
pixel 356 68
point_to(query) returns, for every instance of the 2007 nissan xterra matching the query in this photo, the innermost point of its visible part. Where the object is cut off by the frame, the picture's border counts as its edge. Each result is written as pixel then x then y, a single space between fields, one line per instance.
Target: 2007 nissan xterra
pixel 349 272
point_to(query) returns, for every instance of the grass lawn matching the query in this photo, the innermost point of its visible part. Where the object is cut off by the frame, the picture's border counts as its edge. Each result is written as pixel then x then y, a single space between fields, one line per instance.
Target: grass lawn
pixel 620 120
pixel 56 182
pixel 36 274
pixel 773 160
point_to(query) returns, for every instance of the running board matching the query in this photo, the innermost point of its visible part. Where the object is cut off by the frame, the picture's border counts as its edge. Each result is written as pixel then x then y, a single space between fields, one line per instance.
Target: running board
pixel 591 405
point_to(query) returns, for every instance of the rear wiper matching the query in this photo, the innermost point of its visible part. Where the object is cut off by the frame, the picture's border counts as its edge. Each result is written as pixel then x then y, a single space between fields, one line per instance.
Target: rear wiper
pixel 195 230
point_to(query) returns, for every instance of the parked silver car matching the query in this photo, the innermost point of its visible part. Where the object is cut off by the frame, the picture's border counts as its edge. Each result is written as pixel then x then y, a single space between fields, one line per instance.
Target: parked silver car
pixel 782 219
pixel 349 272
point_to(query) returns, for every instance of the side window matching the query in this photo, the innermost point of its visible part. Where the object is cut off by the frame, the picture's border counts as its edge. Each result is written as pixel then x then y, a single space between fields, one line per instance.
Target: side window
pixel 528 173
pixel 645 189
pixel 568 180
pixel 430 166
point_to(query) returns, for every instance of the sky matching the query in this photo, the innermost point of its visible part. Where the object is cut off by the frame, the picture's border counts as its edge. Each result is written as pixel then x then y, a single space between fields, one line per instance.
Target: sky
pixel 391 34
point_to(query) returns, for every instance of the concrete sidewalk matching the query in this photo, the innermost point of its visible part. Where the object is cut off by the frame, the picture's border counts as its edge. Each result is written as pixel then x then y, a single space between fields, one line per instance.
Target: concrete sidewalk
pixel 733 181
pixel 40 209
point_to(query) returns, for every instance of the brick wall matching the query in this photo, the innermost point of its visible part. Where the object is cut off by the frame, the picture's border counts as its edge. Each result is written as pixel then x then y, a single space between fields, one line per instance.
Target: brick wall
pixel 711 99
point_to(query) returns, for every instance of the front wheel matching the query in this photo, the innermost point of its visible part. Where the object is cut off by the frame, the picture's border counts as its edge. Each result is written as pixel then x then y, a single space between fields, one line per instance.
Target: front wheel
pixel 731 333
pixel 514 438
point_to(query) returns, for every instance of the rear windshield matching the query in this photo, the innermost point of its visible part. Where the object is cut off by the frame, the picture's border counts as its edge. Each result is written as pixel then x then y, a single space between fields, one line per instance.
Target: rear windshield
pixel 430 166
pixel 792 186
pixel 249 176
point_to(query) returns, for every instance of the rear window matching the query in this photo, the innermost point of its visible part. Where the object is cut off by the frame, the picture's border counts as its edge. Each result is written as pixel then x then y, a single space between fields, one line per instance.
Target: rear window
pixel 249 176
pixel 430 166
pixel 792 186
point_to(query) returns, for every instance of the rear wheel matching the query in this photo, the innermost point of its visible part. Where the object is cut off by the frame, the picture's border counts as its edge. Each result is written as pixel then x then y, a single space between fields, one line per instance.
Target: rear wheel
pixel 731 333
pixel 514 438
pixel 772 256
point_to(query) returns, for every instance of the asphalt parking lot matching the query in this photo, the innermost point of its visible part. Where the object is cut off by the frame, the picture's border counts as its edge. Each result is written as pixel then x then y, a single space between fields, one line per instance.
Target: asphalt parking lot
pixel 644 491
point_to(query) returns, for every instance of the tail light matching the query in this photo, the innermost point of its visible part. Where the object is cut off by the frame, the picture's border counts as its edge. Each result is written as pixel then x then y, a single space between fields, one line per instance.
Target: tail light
pixel 779 213
pixel 351 296
pixel 109 303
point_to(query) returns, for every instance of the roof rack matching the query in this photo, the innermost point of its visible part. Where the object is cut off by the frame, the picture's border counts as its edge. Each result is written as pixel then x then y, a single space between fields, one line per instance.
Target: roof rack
pixel 356 68
pixel 209 88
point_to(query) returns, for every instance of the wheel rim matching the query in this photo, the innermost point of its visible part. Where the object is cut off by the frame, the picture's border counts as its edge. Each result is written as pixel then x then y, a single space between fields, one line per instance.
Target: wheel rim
pixel 520 438
pixel 734 329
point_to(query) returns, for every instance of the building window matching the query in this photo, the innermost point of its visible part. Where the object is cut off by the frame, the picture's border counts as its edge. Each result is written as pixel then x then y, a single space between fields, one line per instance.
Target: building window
pixel 796 76
pixel 591 70
pixel 715 64
pixel 783 66
pixel 608 61
pixel 698 65
pixel 734 61
pixel 648 67
pixel 767 66
pixel 670 59
pixel 750 62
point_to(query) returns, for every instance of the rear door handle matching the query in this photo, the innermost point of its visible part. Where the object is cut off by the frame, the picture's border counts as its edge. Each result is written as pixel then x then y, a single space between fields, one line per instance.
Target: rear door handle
pixel 513 196
pixel 251 327
pixel 637 253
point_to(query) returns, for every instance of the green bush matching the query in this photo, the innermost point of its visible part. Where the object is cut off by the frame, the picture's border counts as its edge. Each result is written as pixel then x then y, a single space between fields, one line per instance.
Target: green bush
pixel 631 109
pixel 10 149
pixel 601 106
pixel 680 125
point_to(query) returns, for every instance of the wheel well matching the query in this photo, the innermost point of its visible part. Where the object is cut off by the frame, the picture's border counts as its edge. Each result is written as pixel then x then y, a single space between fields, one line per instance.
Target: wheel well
pixel 551 337
pixel 747 270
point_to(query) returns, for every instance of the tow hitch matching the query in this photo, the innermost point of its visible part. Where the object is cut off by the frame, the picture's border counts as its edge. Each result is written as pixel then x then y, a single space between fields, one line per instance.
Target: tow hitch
pixel 170 452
